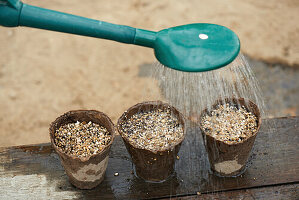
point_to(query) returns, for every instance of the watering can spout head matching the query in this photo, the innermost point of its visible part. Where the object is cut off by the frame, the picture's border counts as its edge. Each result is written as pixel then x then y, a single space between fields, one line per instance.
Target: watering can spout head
pixel 196 47
pixel 10 12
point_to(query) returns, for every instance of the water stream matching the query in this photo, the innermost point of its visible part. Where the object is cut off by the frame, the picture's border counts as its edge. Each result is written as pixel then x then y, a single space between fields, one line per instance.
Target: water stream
pixel 193 92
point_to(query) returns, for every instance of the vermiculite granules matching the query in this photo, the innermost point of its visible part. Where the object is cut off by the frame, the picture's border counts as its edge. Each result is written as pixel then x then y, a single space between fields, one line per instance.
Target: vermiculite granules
pixel 229 124
pixel 153 130
pixel 82 139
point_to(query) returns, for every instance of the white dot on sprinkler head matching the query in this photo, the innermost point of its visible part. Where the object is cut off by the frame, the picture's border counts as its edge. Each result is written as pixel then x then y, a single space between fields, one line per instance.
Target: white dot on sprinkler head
pixel 203 36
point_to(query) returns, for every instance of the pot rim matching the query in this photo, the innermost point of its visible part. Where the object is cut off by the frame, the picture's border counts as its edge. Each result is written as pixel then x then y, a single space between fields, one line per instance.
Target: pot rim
pixel 232 99
pixel 179 115
pixel 72 112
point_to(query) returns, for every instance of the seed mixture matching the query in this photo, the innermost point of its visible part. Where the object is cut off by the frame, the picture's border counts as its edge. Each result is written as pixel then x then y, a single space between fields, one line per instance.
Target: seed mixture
pixel 153 130
pixel 229 124
pixel 82 139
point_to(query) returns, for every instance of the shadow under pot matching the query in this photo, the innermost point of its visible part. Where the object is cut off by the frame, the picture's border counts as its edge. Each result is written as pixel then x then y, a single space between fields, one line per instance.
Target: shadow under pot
pixel 229 129
pixel 82 139
pixel 153 133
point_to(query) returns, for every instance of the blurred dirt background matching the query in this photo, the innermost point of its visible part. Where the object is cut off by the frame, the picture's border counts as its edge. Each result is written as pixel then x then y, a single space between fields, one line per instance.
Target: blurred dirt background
pixel 44 74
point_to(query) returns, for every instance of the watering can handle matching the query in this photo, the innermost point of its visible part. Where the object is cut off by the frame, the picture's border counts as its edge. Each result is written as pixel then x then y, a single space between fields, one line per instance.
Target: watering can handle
pixel 15 13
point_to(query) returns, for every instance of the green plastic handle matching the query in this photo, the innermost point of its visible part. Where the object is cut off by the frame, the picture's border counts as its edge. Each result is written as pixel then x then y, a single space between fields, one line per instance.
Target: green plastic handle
pixel 15 13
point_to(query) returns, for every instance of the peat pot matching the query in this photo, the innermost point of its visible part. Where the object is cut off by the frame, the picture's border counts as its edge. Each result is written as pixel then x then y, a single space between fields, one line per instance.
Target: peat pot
pixel 230 159
pixel 84 172
pixel 155 166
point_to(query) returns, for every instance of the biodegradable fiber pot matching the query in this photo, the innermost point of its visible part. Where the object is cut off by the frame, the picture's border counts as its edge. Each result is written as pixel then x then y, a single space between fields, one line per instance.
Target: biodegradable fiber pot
pixel 230 159
pixel 84 172
pixel 149 165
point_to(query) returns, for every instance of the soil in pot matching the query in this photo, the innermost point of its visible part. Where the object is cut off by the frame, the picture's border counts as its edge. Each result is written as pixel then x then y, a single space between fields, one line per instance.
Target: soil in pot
pixel 82 139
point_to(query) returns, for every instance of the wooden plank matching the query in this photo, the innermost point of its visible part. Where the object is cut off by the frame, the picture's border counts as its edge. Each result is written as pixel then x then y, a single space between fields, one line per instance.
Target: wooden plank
pixel 289 191
pixel 36 170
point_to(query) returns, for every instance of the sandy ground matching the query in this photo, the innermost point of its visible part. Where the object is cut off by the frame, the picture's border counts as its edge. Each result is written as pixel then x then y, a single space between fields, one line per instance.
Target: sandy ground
pixel 44 74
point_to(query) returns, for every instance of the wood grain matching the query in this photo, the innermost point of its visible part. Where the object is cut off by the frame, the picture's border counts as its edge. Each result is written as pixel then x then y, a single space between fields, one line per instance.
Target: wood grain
pixel 36 170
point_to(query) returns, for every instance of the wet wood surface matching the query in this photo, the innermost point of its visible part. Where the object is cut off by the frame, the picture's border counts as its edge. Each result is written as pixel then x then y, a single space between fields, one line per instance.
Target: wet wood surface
pixel 35 171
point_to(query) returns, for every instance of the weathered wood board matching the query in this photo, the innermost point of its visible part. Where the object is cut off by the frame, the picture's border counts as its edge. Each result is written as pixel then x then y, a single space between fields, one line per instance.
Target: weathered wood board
pixel 35 171
pixel 289 191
